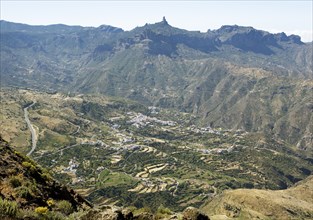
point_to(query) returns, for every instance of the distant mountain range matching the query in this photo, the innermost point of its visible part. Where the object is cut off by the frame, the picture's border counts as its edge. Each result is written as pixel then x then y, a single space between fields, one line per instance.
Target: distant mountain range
pixel 234 77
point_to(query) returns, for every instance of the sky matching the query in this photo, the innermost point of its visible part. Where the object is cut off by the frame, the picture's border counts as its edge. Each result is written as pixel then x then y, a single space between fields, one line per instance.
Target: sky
pixel 291 17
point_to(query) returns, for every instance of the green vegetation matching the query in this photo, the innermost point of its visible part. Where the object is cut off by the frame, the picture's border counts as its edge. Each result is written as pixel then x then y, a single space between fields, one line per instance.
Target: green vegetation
pixel 24 192
pixel 27 164
pixel 64 207
pixel 61 211
pixel 50 203
pixel 15 181
pixel 41 210
pixel 8 208
pixel 162 212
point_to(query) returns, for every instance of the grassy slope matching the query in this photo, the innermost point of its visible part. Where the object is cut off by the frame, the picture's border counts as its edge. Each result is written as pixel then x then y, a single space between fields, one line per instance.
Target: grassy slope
pixel 292 203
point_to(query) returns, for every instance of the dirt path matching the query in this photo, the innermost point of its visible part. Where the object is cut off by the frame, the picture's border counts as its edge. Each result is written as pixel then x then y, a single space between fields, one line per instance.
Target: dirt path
pixel 31 128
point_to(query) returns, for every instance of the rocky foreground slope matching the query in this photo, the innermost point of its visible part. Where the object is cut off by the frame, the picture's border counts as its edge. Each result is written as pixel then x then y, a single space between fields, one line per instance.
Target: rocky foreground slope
pixel 27 190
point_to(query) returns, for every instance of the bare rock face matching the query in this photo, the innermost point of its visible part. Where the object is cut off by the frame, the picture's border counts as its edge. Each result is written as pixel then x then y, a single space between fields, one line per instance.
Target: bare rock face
pixel 128 215
pixel 144 216
pixel 191 213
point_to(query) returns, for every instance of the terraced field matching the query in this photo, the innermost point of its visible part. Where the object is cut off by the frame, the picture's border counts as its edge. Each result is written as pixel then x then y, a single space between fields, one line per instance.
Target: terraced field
pixel 117 151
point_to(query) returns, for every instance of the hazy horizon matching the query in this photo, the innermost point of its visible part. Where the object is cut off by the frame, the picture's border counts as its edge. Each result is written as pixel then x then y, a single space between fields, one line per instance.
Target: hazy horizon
pixel 291 17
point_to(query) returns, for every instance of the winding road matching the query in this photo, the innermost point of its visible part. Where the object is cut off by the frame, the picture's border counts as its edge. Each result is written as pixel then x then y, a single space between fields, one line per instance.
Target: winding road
pixel 32 130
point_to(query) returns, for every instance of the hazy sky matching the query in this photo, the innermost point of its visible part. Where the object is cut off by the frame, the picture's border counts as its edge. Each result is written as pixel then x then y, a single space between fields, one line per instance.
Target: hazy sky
pixel 291 17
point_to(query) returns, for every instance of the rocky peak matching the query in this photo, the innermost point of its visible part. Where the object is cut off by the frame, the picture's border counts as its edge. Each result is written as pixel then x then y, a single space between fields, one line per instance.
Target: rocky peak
pixel 192 213
pixel 162 25
pixel 164 21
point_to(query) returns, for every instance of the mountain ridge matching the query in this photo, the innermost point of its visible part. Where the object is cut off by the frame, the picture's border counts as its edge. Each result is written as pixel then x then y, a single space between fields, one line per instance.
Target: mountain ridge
pixel 15 26
pixel 161 65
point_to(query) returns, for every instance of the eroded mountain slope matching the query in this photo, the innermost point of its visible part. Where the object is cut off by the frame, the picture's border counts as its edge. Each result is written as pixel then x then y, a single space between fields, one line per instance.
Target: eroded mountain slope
pixel 233 77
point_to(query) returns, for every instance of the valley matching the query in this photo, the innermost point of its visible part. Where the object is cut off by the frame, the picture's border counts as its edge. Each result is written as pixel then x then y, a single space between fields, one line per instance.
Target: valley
pixel 104 147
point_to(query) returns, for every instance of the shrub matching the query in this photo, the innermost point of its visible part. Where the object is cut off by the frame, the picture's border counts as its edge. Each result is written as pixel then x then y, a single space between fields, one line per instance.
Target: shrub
pixel 15 181
pixel 41 210
pixel 51 215
pixel 23 192
pixel 46 176
pixel 30 166
pixel 142 210
pixel 40 213
pixel 26 214
pixel 20 154
pixel 164 211
pixel 32 186
pixel 65 207
pixel 33 169
pixel 76 215
pixel 50 202
pixel 8 208
pixel 26 164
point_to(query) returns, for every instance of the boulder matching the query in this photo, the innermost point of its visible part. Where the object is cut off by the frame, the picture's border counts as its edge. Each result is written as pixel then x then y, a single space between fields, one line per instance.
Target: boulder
pixel 191 213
